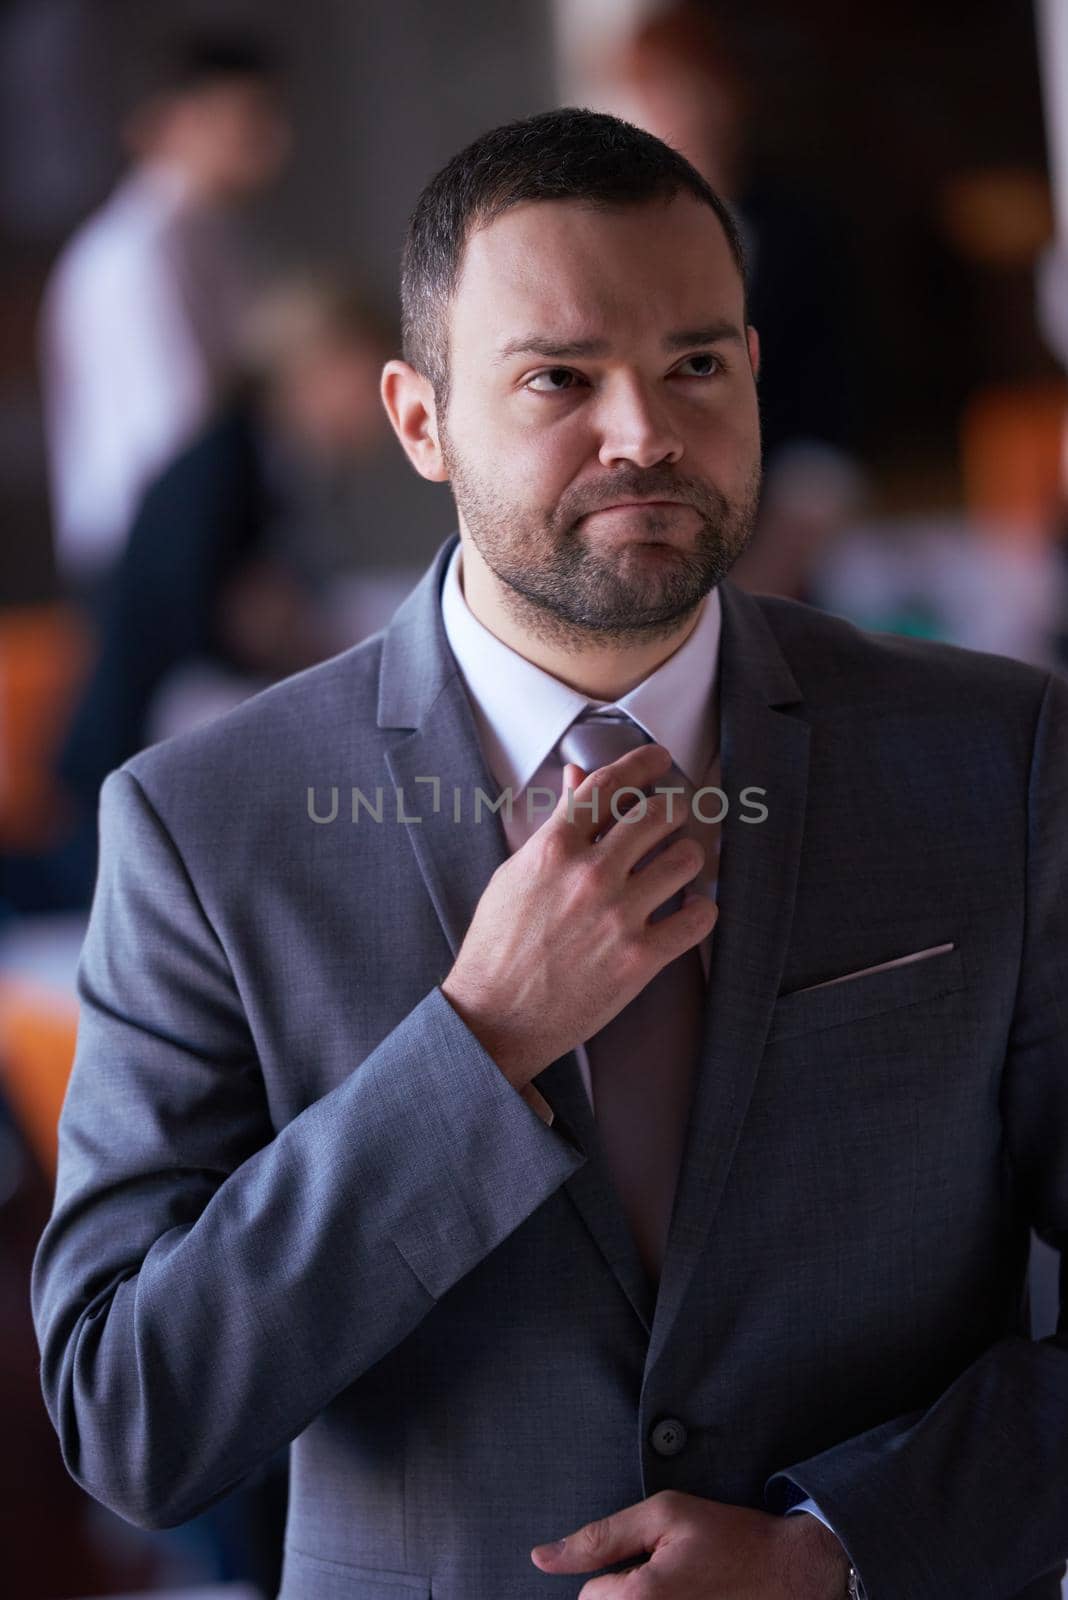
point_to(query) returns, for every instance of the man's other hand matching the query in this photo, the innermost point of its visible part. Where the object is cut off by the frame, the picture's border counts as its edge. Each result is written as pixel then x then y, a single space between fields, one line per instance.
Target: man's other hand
pixel 704 1550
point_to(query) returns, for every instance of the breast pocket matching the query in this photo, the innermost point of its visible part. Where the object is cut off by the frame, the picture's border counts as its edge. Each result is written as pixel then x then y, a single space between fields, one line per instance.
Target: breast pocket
pixel 307 1577
pixel 867 996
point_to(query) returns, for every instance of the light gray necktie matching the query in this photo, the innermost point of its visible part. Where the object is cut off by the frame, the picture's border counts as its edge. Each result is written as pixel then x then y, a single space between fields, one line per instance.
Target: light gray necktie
pixel 642 1062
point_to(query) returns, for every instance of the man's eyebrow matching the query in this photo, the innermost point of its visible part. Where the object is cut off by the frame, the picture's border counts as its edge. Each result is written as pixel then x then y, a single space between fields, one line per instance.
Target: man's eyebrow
pixel 575 349
pixel 713 333
pixel 551 349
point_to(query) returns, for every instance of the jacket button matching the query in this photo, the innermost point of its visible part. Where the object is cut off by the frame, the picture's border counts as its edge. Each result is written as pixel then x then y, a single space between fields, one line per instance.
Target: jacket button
pixel 668 1437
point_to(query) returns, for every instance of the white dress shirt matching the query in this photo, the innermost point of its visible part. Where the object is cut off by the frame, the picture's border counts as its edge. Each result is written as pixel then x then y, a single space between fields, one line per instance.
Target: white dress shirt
pixel 521 711
pixel 137 330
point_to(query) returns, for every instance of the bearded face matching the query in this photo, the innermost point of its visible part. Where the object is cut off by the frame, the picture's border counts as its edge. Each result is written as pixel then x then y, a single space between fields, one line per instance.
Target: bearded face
pixel 601 435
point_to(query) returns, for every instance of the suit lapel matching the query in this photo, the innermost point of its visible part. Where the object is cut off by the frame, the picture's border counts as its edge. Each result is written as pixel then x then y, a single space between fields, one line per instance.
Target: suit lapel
pixel 592 1190
pixel 456 858
pixel 421 692
pixel 762 744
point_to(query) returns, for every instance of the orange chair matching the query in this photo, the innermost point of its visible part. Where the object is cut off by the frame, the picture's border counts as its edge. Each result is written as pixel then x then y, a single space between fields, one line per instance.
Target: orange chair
pixel 45 655
pixel 38 1027
pixel 1012 457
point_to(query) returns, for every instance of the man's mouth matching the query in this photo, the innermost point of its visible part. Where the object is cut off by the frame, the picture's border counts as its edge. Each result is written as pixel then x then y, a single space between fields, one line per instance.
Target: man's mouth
pixel 635 505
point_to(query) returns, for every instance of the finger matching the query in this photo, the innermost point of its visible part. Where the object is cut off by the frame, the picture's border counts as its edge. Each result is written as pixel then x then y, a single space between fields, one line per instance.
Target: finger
pixel 652 884
pixel 634 1531
pixel 573 777
pixel 680 930
pixel 650 821
pixel 637 769
pixel 615 1585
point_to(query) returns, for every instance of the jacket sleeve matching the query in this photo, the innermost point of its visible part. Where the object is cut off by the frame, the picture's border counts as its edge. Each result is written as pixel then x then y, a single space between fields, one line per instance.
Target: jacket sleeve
pixel 970 1496
pixel 207 1284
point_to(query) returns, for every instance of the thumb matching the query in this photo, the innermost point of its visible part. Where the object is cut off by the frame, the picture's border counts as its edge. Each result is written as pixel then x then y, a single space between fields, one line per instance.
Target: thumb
pixel 573 776
pixel 633 1531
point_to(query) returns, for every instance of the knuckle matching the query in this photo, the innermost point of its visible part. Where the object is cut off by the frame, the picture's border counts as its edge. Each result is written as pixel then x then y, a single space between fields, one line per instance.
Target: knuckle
pixel 596 871
pixel 620 806
pixel 692 851
pixel 594 1536
pixel 631 961
pixel 656 807
pixel 673 858
pixel 550 846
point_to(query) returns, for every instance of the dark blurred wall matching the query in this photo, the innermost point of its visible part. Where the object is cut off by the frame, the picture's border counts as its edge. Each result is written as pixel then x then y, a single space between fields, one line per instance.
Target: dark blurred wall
pixel 877 111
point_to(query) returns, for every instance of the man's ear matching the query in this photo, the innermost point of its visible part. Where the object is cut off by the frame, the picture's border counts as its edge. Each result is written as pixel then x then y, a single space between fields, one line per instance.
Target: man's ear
pixel 409 401
pixel 752 339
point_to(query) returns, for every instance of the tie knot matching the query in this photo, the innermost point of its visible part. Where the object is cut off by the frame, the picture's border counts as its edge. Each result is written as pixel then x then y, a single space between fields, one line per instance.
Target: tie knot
pixel 597 738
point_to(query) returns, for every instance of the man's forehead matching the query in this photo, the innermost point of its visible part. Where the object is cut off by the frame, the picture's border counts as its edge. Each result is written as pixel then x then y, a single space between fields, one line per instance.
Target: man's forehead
pixel 576 273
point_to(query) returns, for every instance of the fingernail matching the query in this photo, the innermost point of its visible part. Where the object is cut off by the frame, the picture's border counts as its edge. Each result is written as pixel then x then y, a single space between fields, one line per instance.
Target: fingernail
pixel 549 1551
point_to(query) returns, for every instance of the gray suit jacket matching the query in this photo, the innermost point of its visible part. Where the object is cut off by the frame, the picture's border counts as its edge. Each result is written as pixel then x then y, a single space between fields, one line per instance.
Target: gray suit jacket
pixel 297 1200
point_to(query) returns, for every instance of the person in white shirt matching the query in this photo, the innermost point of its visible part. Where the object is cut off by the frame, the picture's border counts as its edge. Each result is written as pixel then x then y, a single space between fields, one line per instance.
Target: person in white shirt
pixel 140 314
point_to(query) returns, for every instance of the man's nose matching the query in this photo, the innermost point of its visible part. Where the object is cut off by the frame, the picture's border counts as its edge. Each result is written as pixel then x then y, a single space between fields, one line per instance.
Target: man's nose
pixel 636 425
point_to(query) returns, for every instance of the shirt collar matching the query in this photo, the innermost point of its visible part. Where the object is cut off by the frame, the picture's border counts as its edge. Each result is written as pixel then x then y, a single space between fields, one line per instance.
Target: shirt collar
pixel 675 704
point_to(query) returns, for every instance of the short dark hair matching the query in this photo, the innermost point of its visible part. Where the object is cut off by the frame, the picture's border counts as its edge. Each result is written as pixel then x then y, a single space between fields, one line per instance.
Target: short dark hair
pixel 567 154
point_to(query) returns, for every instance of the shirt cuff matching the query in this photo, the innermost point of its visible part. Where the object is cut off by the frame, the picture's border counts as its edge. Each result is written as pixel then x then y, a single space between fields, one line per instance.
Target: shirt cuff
pixel 810 1506
pixel 538 1103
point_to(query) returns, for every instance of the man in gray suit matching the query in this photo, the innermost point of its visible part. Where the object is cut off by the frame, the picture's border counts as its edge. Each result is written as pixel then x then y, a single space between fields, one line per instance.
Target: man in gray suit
pixel 584 1063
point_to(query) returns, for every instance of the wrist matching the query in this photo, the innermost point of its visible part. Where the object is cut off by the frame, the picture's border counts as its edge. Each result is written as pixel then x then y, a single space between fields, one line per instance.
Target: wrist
pixel 491 1036
pixel 817 1566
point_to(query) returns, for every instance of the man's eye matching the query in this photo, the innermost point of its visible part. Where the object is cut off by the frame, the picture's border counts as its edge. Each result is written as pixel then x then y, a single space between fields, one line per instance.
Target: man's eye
pixel 707 364
pixel 553 381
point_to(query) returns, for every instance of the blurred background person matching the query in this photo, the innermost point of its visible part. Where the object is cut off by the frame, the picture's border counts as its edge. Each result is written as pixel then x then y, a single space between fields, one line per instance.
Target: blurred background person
pixel 242 564
pixel 229 576
pixel 139 314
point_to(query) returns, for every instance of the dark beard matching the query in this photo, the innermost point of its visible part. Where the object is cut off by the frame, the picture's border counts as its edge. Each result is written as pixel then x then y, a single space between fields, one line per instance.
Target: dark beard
pixel 568 592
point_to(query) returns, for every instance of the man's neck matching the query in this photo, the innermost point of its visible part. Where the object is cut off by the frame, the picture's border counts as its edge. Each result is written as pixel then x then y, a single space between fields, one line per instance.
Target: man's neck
pixel 601 672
